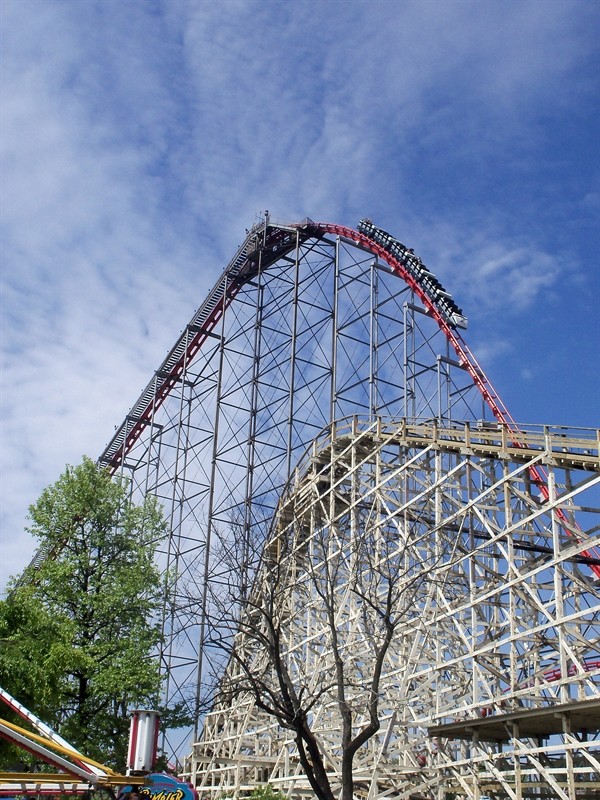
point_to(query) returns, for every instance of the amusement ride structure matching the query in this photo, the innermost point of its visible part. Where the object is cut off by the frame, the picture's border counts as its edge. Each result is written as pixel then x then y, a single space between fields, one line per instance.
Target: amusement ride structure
pixel 355 517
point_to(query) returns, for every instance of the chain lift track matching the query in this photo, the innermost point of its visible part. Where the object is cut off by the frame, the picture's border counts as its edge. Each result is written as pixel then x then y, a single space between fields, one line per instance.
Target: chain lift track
pixel 264 246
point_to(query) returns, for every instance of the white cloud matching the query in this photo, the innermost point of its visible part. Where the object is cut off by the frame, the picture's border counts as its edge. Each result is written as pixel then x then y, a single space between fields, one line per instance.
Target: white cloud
pixel 523 276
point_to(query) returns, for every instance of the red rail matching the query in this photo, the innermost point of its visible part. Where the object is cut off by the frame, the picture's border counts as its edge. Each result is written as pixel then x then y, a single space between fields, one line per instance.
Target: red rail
pixel 465 357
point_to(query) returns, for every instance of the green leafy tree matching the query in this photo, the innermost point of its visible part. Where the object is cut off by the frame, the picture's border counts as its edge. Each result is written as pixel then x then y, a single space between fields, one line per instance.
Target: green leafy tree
pixel 34 646
pixel 78 632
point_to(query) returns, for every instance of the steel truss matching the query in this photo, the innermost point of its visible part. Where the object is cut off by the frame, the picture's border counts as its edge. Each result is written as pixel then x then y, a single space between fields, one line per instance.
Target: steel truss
pixel 492 684
pixel 303 327
pixel 310 324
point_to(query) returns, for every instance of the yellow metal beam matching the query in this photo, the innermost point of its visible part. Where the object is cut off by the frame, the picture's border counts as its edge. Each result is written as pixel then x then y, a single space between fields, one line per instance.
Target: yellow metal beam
pixel 64 751
pixel 59 778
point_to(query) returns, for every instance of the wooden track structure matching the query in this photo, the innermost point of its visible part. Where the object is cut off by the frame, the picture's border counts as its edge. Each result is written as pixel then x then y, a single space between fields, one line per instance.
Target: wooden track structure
pixel 492 687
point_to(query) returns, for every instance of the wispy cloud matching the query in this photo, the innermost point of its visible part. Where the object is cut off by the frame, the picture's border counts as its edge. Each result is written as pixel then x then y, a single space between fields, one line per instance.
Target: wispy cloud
pixel 140 139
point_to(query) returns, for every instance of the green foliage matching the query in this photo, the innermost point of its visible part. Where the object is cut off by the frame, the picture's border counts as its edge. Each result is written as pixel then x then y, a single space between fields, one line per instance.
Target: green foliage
pixel 77 633
pixel 34 647
pixel 266 793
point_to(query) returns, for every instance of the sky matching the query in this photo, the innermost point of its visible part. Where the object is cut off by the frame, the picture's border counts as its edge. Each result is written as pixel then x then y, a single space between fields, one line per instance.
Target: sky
pixel 139 140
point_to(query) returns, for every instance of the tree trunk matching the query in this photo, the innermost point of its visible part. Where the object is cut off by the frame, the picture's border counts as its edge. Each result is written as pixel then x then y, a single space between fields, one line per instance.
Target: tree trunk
pixel 313 764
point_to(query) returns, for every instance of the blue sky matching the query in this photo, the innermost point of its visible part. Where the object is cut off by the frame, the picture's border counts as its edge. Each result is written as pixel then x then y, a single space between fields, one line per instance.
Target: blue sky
pixel 140 139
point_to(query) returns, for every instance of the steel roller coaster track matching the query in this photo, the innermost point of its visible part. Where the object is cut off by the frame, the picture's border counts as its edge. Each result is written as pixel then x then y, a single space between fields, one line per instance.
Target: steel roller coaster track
pixel 274 243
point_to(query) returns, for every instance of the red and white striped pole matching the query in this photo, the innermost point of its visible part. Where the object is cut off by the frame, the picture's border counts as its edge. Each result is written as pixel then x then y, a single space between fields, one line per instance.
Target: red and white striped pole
pixel 143 742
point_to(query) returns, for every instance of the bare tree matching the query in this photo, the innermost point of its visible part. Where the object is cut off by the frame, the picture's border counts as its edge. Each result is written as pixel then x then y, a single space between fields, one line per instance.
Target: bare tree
pixel 317 624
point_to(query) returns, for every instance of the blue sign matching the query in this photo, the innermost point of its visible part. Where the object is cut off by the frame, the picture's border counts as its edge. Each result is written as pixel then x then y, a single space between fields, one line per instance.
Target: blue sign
pixel 159 786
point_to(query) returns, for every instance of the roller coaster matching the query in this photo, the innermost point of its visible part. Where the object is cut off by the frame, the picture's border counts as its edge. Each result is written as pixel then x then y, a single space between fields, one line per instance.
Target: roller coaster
pixel 321 414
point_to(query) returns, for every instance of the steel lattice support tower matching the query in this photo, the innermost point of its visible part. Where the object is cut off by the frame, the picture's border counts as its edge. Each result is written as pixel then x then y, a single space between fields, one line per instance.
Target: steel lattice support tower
pixel 309 325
